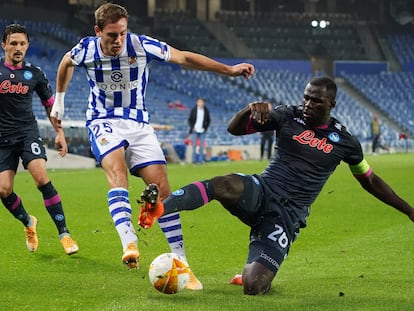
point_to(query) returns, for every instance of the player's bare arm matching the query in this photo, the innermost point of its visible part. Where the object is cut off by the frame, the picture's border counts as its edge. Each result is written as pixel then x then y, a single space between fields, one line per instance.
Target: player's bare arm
pixel 200 62
pixel 64 73
pixel 238 123
pixel 258 111
pixel 381 190
pixel 60 141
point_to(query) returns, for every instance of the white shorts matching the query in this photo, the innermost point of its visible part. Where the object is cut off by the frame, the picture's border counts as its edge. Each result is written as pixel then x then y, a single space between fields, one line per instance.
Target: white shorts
pixel 139 140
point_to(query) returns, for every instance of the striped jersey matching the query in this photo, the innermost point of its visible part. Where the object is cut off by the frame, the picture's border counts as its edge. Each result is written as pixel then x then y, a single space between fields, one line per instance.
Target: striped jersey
pixel 118 83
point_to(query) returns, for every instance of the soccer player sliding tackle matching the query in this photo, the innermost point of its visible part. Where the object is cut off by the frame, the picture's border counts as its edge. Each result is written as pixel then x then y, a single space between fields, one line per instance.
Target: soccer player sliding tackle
pixel 276 203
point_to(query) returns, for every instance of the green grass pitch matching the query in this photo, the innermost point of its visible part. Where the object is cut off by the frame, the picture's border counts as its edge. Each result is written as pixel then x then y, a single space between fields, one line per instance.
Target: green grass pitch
pixel 356 254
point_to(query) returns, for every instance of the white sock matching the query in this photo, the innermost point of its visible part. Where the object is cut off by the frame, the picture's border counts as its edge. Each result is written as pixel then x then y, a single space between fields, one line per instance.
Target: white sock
pixel 171 226
pixel 120 210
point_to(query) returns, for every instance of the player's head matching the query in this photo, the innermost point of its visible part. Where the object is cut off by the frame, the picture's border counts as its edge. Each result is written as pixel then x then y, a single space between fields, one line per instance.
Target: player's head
pixel 15 43
pixel 319 98
pixel 111 25
pixel 109 13
pixel 14 28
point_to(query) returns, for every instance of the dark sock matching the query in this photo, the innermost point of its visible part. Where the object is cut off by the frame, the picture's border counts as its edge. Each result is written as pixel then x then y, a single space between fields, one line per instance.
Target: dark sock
pixel 189 197
pixel 54 207
pixel 14 204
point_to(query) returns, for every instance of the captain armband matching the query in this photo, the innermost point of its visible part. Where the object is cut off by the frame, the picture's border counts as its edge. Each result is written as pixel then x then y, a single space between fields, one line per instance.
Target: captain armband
pixel 361 170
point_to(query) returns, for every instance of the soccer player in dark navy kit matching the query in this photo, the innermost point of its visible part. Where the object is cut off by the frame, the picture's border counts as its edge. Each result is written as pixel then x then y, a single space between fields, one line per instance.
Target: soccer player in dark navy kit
pixel 276 203
pixel 20 139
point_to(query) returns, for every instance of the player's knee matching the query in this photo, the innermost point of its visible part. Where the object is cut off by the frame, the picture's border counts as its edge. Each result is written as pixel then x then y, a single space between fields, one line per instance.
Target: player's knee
pixel 5 191
pixel 255 286
pixel 257 279
pixel 228 187
pixel 165 191
pixel 41 181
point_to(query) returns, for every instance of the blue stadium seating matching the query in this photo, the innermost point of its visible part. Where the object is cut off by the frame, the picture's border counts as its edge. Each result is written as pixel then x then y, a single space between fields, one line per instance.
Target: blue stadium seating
pixel 170 84
pixel 392 93
pixel 402 45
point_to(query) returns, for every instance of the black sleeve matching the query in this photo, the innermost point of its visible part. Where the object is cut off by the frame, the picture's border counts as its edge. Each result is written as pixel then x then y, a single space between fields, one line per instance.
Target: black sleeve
pixel 207 119
pixel 43 87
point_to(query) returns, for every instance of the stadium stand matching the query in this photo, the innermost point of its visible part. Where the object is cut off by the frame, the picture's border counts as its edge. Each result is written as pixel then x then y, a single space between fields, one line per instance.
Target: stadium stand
pixel 403 47
pixel 186 32
pixel 391 92
pixel 277 37
pixel 290 36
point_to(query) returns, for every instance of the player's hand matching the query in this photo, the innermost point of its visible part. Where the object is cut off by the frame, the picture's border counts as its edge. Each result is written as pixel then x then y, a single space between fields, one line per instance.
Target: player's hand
pixel 260 111
pixel 60 144
pixel 245 70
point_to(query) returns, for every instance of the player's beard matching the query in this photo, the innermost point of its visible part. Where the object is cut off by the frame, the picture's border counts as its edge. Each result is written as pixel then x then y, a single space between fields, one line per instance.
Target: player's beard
pixel 17 58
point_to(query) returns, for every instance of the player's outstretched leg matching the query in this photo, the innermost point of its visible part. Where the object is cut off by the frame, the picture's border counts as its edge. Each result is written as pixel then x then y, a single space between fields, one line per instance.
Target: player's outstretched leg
pixel 152 209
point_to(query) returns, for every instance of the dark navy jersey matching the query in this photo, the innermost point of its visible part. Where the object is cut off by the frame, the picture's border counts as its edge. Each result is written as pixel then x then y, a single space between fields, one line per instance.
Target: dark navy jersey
pixel 305 156
pixel 17 85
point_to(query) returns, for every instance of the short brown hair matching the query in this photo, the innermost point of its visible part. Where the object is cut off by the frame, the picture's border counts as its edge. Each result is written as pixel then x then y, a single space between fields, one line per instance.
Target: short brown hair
pixel 14 28
pixel 109 13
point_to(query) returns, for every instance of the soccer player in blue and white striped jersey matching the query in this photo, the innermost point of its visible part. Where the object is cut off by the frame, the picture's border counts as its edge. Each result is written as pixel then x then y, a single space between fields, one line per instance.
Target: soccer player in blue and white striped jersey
pixel 116 63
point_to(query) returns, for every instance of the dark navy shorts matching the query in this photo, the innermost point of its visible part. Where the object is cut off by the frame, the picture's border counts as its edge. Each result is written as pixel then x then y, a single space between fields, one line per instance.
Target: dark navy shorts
pixel 273 222
pixel 26 148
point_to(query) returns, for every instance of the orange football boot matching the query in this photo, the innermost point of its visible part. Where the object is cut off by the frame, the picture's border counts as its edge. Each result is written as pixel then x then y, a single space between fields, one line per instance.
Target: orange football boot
pixel 152 209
